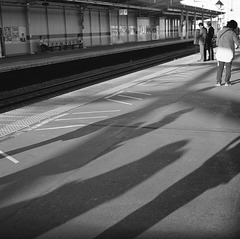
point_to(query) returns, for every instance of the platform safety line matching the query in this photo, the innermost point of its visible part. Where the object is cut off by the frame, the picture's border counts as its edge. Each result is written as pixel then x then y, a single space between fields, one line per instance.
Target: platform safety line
pixel 159 73
pixel 117 101
pixel 8 157
pixel 184 74
pixel 137 92
pixel 46 121
pixel 63 127
pixel 146 84
pixel 82 118
pixel 93 112
pixel 116 93
pixel 130 97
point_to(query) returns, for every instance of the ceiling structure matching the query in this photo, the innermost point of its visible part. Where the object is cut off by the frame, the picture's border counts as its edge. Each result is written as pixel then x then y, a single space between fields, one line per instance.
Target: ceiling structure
pixel 147 7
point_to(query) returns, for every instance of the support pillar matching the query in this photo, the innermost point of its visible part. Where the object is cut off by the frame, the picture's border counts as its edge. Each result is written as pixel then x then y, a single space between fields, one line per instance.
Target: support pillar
pixel 181 25
pixel 162 26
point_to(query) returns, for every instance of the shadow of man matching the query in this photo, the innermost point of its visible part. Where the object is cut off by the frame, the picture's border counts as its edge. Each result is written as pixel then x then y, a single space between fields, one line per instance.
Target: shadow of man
pixel 219 169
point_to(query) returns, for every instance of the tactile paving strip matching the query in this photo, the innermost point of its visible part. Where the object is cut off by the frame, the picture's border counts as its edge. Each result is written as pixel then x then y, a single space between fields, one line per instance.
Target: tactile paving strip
pixel 63 103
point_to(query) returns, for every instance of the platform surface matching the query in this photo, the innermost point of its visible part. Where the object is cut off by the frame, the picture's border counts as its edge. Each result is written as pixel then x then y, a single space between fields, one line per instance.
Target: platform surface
pixel 153 154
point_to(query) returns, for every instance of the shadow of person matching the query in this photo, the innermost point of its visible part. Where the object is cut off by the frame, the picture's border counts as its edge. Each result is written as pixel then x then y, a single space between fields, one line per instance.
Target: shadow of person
pixel 219 169
pixel 233 82
pixel 36 216
pixel 105 142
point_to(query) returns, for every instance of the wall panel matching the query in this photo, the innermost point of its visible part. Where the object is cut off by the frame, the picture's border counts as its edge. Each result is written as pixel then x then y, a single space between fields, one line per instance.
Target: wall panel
pixel 132 26
pixel 114 27
pixel 38 22
pixel 14 24
pixel 95 26
pixel 105 28
pixel 38 26
pixel 73 24
pixel 86 28
pixel 56 24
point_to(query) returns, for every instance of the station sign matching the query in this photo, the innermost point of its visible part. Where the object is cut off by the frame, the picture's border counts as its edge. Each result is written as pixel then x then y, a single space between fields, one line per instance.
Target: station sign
pixel 123 12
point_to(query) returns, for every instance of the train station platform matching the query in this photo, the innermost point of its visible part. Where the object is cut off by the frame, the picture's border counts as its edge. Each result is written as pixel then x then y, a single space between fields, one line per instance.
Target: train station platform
pixel 19 62
pixel 153 154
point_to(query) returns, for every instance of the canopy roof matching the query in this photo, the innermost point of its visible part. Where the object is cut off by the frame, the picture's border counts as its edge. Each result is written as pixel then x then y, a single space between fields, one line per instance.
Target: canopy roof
pixel 154 7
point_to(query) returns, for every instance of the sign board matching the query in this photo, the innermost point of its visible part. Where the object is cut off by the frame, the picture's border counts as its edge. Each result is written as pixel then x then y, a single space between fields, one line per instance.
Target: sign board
pixel 123 12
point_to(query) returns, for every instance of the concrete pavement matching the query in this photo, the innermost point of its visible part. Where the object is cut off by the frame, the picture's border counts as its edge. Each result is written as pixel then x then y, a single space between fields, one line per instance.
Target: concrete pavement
pixel 156 156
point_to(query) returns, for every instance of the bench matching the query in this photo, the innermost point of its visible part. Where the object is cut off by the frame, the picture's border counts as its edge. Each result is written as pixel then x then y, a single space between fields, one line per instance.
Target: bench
pixel 55 44
pixel 72 44
pixel 64 45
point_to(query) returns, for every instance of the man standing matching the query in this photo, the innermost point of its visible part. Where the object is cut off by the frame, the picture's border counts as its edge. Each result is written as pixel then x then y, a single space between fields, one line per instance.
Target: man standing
pixel 209 44
pixel 202 42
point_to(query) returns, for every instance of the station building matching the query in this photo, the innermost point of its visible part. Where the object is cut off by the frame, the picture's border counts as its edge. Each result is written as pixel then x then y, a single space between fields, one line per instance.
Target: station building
pixel 97 23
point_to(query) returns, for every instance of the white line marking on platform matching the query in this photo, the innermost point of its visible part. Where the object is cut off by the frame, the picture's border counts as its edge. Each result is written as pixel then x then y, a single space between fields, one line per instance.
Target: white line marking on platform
pixel 137 92
pixel 130 97
pixel 121 102
pixel 116 93
pixel 63 127
pixel 82 118
pixel 46 121
pixel 8 157
pixel 184 74
pixel 93 112
pixel 146 84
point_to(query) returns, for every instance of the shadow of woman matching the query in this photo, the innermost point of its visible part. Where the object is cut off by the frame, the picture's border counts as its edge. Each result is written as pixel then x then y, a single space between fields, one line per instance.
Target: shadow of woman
pixel 34 217
pixel 219 169
pixel 233 82
pixel 110 135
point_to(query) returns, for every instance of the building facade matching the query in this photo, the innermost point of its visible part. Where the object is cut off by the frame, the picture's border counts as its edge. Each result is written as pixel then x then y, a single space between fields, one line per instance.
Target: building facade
pixel 22 22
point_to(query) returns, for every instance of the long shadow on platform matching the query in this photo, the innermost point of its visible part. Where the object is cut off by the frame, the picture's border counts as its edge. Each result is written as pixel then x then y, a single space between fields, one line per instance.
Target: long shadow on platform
pixel 36 216
pixel 39 215
pixel 219 169
pixel 235 81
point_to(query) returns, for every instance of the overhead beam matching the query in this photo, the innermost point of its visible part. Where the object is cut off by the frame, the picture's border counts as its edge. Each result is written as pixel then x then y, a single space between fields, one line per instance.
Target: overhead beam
pixel 119 5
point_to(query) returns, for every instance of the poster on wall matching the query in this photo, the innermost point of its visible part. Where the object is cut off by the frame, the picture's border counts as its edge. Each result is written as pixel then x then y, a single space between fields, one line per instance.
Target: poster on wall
pixel 114 34
pixel 123 30
pixel 22 34
pixel 132 30
pixel 7 32
pixel 15 34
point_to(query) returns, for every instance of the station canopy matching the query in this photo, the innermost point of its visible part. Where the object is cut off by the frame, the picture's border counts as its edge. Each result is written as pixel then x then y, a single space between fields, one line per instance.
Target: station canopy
pixel 147 7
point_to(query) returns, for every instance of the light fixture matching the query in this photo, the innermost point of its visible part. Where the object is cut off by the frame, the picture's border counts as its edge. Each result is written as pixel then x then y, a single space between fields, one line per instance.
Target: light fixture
pixel 219 4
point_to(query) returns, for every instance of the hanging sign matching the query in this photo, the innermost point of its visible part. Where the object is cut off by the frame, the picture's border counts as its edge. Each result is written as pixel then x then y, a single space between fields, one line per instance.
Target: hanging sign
pixel 123 12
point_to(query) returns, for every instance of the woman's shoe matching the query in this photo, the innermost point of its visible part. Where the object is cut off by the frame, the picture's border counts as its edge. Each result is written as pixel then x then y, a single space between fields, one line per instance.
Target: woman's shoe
pixel 228 83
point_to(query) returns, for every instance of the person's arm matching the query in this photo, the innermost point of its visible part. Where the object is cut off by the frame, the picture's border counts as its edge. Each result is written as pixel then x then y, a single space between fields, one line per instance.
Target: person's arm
pixel 211 32
pixel 235 39
pixel 205 33
pixel 217 40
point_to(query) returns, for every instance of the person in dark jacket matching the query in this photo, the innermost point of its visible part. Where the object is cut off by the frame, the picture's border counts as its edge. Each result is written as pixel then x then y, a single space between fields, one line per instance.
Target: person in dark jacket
pixel 209 44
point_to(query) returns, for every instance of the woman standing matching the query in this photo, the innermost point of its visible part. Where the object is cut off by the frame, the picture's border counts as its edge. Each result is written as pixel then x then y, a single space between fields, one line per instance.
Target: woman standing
pixel 226 40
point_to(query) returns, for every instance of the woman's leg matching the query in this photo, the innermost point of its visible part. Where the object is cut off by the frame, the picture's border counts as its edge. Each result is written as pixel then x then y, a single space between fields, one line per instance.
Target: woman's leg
pixel 201 49
pixel 228 72
pixel 220 71
pixel 211 53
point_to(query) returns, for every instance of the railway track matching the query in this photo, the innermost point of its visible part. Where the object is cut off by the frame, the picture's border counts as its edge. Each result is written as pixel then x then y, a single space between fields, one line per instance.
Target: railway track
pixel 30 94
